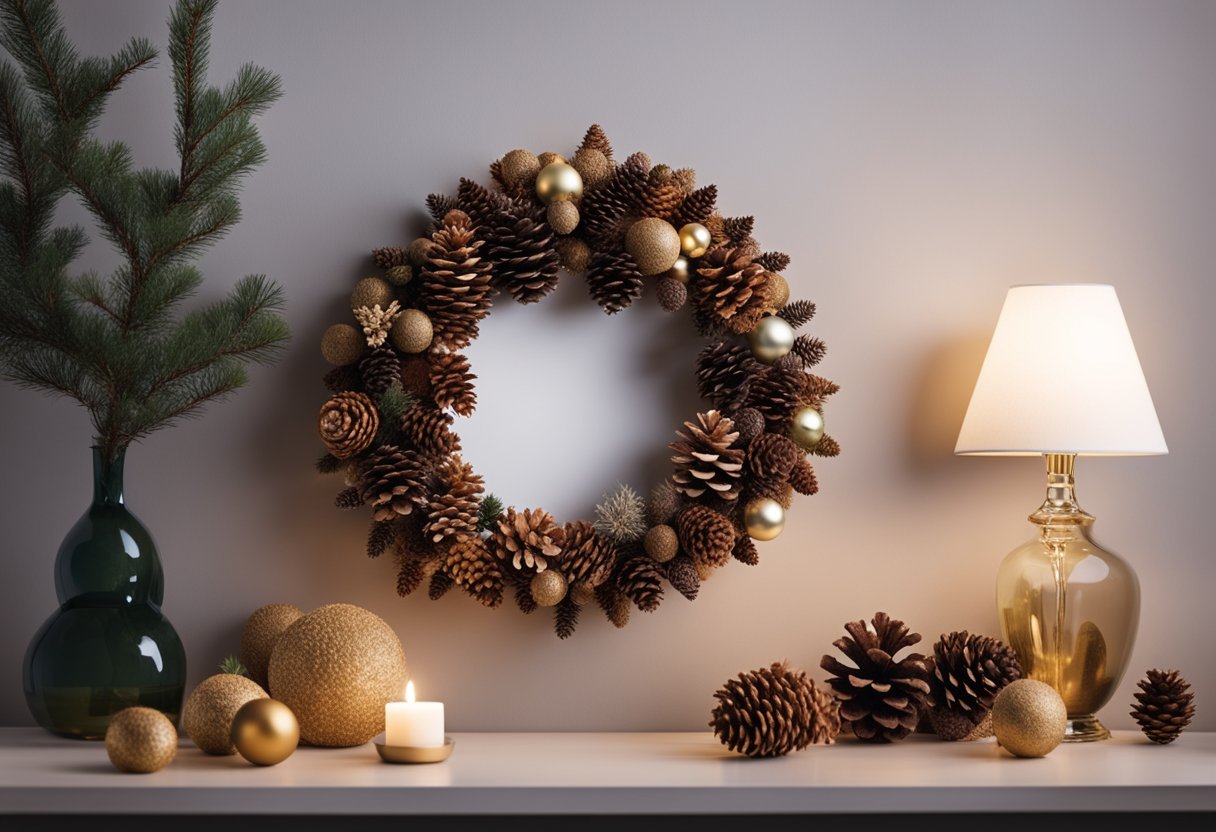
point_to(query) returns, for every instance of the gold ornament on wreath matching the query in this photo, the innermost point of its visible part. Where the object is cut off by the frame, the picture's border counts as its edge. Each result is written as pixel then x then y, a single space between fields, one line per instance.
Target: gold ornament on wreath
pixel 628 227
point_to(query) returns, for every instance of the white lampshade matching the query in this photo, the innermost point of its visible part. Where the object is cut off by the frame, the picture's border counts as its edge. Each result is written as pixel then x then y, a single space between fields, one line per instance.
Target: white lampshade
pixel 1061 376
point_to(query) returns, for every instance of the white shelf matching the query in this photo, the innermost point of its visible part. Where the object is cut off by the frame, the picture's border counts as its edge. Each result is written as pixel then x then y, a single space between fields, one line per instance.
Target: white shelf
pixel 617 774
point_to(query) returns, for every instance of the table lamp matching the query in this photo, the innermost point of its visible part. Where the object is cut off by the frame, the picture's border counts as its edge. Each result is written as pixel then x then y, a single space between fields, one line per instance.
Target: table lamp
pixel 1061 378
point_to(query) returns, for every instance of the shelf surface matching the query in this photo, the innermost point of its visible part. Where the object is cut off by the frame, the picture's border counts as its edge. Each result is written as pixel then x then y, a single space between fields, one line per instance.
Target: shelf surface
pixel 618 774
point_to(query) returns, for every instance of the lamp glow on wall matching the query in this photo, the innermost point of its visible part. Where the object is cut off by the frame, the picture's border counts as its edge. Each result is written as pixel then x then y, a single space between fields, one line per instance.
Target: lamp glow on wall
pixel 1061 378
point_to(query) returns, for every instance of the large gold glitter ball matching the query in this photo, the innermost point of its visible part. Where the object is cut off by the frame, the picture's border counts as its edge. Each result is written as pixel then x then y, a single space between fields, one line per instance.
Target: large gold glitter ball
pixel 771 339
pixel 661 543
pixel 763 518
pixel 261 633
pixel 265 732
pixel 778 290
pixel 371 291
pixel 562 217
pixel 558 182
pixel 806 428
pixel 548 588
pixel 695 239
pixel 140 740
pixel 342 344
pixel 412 331
pixel 209 710
pixel 336 668
pixel 519 167
pixel 1029 718
pixel 653 244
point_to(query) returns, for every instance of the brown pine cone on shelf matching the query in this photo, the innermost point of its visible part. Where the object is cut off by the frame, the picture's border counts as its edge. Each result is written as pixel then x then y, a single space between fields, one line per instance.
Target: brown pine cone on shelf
pixel 706 457
pixel 454 286
pixel 454 509
pixel 641 581
pixel 826 725
pixel 968 671
pixel 613 280
pixel 706 535
pixel 1164 705
pixel 767 712
pixel 393 481
pixel 696 207
pixel 451 383
pixel 527 540
pixel 522 249
pixel 476 571
pixel 380 369
pixel 348 423
pixel 587 558
pixel 429 431
pixel 732 287
pixel 882 697
pixel 725 371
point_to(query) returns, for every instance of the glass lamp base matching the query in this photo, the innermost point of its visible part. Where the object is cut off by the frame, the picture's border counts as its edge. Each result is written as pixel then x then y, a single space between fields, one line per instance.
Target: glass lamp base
pixel 1085 729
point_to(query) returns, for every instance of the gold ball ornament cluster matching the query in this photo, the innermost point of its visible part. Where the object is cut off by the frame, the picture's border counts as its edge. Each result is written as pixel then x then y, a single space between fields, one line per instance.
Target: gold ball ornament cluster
pixel 1029 718
pixel 764 519
pixel 209 710
pixel 695 240
pixel 262 631
pixel 772 339
pixel 265 732
pixel 558 182
pixel 140 740
pixel 806 428
pixel 548 588
pixel 654 245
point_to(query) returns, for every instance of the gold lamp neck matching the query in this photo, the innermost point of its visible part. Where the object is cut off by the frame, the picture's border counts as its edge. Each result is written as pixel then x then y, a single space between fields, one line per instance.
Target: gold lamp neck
pixel 1061 508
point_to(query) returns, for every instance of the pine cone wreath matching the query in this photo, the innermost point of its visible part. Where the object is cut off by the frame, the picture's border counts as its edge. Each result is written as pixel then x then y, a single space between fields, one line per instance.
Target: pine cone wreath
pixel 455 282
pixel 881 697
pixel 1164 705
pixel 706 457
pixel 613 280
pixel 587 559
pixel 527 539
pixel 393 481
pixel 968 671
pixel 706 535
pixel 522 250
pixel 429 431
pixel 476 571
pixel 380 368
pixel 767 712
pixel 640 580
pixel 348 424
pixel 451 383
pixel 725 370
pixel 453 511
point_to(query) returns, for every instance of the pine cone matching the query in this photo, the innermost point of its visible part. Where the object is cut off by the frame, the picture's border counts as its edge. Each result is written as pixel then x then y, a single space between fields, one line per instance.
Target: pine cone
pixel 724 373
pixel 766 713
pixel 527 539
pixel 523 598
pixel 603 209
pixel 429 431
pixel 452 383
pixel 524 255
pixel 480 203
pixel 613 602
pixel 438 205
pixel 393 481
pixel 697 206
pixel 732 287
pixel 379 538
pixel 586 558
pixel 772 456
pixel 968 671
pixel 827 446
pixel 706 535
pixel 660 199
pixel 797 313
pixel 777 394
pixel 594 139
pixel 476 571
pixel 750 424
pixel 613 280
pixel 441 582
pixel 453 511
pixel 389 256
pixel 1164 706
pixel 348 424
pixel 706 457
pixel 672 294
pixel 802 478
pixel 380 369
pixel 682 575
pixel 774 261
pixel 454 286
pixel 565 618
pixel 745 551
pixel 882 697
pixel 826 725
pixel 810 350
pixel 410 572
pixel 663 504
pixel 641 582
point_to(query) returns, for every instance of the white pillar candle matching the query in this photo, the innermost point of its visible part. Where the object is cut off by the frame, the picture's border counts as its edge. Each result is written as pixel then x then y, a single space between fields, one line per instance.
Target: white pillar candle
pixel 413 724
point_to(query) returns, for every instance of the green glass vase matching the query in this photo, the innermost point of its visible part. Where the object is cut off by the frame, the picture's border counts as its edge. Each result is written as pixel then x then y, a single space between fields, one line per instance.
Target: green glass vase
pixel 108 646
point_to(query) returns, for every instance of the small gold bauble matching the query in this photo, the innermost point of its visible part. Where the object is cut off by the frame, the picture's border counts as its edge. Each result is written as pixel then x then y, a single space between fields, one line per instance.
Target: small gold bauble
pixel 562 217
pixel 371 291
pixel 680 270
pixel 412 331
pixel 593 166
pixel 661 543
pixel 265 732
pixel 1029 718
pixel 694 239
pixel 772 338
pixel 519 167
pixel 653 244
pixel 548 588
pixel 210 707
pixel 263 629
pixel 764 519
pixel 140 740
pixel 558 182
pixel 575 255
pixel 582 593
pixel 806 428
pixel 778 291
pixel 549 157
pixel 342 344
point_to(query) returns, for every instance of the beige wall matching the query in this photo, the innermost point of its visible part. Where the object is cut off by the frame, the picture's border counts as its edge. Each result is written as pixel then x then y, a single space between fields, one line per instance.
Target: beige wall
pixel 914 159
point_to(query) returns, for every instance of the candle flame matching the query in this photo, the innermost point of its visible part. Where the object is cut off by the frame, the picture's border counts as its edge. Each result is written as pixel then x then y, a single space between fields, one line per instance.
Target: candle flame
pixel 409 691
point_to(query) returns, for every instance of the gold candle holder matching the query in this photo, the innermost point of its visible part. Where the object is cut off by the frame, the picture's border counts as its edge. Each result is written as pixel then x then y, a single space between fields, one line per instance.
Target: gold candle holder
pixel 411 755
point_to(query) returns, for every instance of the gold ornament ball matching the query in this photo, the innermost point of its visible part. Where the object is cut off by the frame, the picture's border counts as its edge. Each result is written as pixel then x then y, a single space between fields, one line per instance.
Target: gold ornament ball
pixel 582 593
pixel 695 239
pixel 562 217
pixel 336 668
pixel 575 255
pixel 263 629
pixel 763 518
pixel 593 166
pixel 265 732
pixel 778 291
pixel 558 182
pixel 140 740
pixel 342 344
pixel 1029 718
pixel 400 275
pixel 371 291
pixel 680 270
pixel 418 251
pixel 806 428
pixel 661 543
pixel 772 338
pixel 412 331
pixel 519 167
pixel 209 710
pixel 548 588
pixel 653 244
pixel 549 157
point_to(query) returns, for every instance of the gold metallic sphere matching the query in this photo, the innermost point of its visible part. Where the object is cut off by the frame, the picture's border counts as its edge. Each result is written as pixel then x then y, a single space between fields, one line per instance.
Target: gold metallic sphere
pixel 694 239
pixel 806 429
pixel 558 182
pixel 548 588
pixel 680 271
pixel 764 519
pixel 771 339
pixel 1029 718
pixel 265 732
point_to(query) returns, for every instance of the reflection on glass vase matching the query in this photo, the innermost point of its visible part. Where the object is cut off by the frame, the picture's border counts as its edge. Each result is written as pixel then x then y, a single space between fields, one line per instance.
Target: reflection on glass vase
pixel 1068 607
pixel 108 646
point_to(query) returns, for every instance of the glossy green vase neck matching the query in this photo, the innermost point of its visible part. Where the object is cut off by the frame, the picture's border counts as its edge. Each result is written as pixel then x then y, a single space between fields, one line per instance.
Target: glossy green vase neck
pixel 107 477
